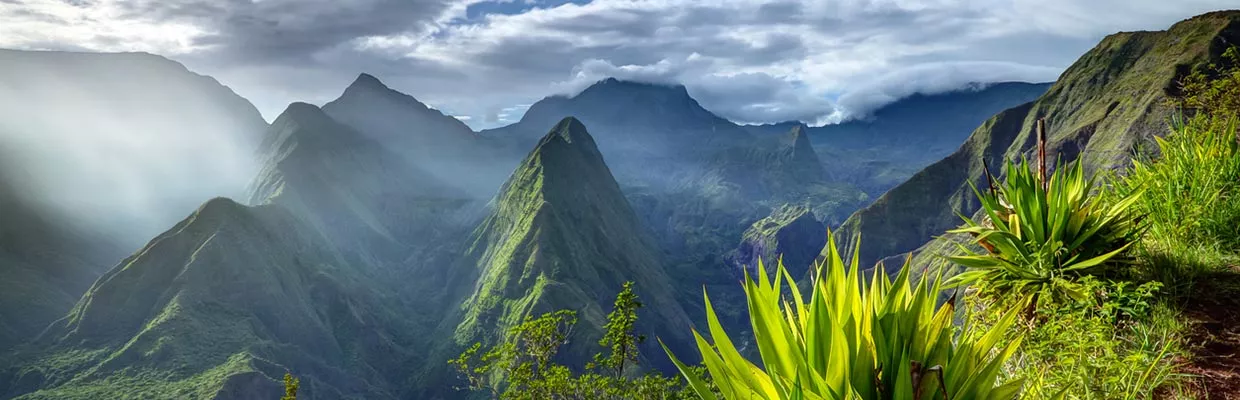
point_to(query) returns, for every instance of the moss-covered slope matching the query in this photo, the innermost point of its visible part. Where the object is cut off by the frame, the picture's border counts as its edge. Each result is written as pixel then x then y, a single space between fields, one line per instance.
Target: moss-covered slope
pixel 1112 99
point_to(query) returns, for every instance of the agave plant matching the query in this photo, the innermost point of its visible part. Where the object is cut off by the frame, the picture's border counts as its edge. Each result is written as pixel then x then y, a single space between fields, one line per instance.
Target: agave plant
pixel 887 340
pixel 1041 233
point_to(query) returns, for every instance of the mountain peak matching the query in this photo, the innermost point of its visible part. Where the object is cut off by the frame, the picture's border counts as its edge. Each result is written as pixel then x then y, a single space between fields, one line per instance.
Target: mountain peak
pixel 568 150
pixel 367 82
pixel 570 130
pixel 560 231
pixel 304 114
pixel 613 85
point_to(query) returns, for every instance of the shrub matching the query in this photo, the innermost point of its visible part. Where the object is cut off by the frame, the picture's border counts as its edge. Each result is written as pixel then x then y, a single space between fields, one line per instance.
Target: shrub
pixel 887 340
pixel 1042 234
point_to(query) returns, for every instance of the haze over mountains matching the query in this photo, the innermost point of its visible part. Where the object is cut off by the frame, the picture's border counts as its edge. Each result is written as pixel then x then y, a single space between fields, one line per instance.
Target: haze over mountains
pixel 363 242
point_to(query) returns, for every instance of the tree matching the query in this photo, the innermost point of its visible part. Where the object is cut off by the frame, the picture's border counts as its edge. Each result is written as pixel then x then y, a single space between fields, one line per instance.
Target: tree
pixel 620 339
pixel 290 387
pixel 523 359
pixel 520 367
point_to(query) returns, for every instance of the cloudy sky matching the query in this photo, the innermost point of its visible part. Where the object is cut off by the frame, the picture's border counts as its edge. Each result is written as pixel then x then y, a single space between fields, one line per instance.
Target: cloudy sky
pixel 484 60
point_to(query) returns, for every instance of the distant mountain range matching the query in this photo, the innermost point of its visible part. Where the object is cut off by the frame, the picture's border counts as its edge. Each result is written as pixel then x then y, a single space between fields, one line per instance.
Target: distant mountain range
pixel 376 237
pixel 901 138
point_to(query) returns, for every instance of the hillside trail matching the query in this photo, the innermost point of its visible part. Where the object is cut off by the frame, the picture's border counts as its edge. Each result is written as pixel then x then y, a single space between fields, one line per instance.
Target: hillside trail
pixel 1214 336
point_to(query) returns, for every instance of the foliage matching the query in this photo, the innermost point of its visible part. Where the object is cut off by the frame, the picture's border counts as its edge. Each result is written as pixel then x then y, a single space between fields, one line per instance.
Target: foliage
pixel 1041 234
pixel 887 340
pixel 1192 194
pixel 619 339
pixel 290 387
pixel 1122 344
pixel 524 363
pixel 1214 89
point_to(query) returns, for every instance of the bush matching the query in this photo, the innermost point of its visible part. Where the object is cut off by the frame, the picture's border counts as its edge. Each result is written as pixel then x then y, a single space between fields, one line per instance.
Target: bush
pixel 887 340
pixel 1042 234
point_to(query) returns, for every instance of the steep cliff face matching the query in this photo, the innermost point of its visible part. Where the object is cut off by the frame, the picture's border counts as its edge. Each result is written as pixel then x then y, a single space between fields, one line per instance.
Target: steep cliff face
pixel 1113 98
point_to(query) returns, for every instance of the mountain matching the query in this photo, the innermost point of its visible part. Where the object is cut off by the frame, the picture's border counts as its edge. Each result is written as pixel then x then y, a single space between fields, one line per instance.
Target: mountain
pixel 656 135
pixel 881 150
pixel 354 191
pixel 149 138
pixel 45 265
pixel 219 307
pixel 933 124
pixel 1109 101
pixel 99 152
pixel 439 144
pixel 561 235
pixel 790 233
pixel 316 278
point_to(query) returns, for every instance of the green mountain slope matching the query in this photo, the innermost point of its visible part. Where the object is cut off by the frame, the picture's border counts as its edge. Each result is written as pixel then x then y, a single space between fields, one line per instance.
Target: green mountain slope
pixel 562 235
pixel 220 306
pixel 1112 99
pixel 316 280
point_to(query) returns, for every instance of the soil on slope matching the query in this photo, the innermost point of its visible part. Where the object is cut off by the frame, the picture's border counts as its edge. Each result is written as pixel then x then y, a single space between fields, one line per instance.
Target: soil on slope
pixel 1214 336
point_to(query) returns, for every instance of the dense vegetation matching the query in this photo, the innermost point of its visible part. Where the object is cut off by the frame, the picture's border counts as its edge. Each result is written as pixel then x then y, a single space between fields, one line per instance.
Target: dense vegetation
pixel 523 365
pixel 1125 331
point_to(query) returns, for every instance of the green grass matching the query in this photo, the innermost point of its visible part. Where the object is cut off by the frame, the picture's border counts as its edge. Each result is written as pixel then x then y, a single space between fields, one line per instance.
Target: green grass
pixel 1192 194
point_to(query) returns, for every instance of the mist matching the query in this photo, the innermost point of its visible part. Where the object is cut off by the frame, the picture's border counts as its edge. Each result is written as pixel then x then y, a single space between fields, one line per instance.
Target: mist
pixel 124 145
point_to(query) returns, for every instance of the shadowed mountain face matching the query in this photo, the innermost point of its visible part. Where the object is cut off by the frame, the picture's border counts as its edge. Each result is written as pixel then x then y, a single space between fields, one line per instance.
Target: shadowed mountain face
pixel 1111 99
